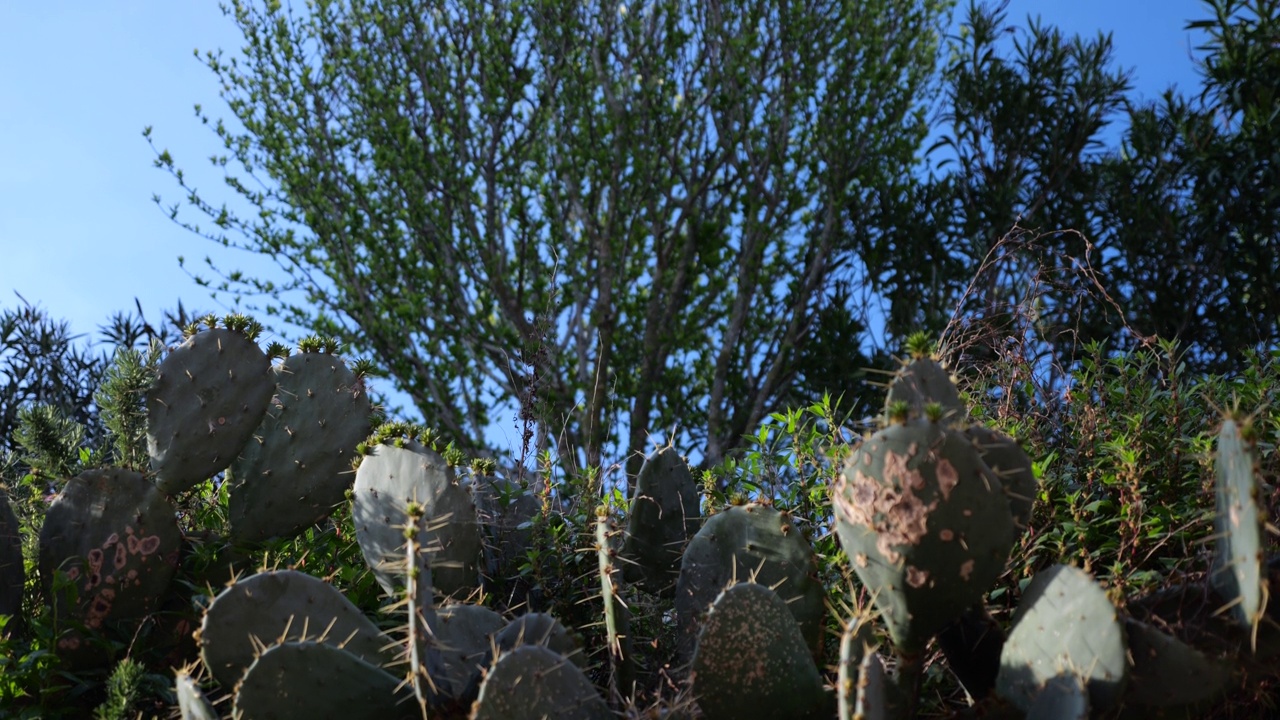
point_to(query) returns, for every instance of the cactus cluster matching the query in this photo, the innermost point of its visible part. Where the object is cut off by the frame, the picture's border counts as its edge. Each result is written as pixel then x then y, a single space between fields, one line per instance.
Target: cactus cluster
pixel 927 510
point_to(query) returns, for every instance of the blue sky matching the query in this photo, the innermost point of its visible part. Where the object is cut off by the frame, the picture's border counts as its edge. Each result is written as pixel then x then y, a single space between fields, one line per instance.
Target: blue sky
pixel 79 234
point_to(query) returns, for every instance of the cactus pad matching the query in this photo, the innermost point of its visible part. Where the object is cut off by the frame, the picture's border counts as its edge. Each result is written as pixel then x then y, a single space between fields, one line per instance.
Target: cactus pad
pixel 664 515
pixel 1012 465
pixel 464 634
pixel 1171 675
pixel 209 395
pixel 12 572
pixel 924 381
pixel 298 465
pixel 752 662
pixel 386 482
pixel 873 690
pixel 116 537
pixel 277 606
pixel 317 680
pixel 532 682
pixel 925 524
pixel 1238 572
pixel 191 701
pixel 1064 625
pixel 540 629
pixel 1063 697
pixel 751 542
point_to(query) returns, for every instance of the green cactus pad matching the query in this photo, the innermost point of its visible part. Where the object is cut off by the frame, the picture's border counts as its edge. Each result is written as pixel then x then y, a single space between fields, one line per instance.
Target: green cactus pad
pixel 464 635
pixel 298 465
pixel 386 482
pixel 1064 625
pixel 1012 465
pixel 116 537
pixel 751 542
pixel 1238 572
pixel 191 701
pixel 13 576
pixel 277 606
pixel 540 629
pixel 752 662
pixel 1170 675
pixel 873 690
pixel 317 680
pixel 925 524
pixel 664 515
pixel 209 396
pixel 857 637
pixel 1063 697
pixel 532 682
pixel 924 381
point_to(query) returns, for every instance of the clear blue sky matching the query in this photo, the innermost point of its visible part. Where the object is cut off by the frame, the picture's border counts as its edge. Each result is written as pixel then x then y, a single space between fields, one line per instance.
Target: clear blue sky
pixel 79 81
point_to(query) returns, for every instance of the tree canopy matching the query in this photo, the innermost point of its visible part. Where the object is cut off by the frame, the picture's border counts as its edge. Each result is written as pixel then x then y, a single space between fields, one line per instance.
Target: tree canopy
pixel 621 219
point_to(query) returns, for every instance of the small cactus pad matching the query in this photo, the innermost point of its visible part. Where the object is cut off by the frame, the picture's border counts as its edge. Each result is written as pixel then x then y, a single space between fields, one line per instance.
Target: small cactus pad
pixel 277 606
pixel 505 509
pixel 389 480
pixel 1238 572
pixel 12 573
pixel 191 701
pixel 540 629
pixel 532 682
pixel 854 642
pixel 1064 625
pixel 1063 697
pixel 925 523
pixel 116 537
pixel 751 542
pixel 664 515
pixel 752 662
pixel 317 680
pixel 464 635
pixel 924 381
pixel 1170 675
pixel 209 396
pixel 298 465
pixel 1012 465
pixel 873 690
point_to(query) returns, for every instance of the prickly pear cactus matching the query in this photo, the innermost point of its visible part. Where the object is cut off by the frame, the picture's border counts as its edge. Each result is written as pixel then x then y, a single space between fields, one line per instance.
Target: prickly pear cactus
pixel 464 634
pixel 1063 697
pixel 209 395
pixel 297 467
pixel 924 380
pixel 116 537
pixel 752 662
pixel 12 573
pixel 1011 464
pixel 540 629
pixel 191 701
pixel 751 542
pixel 505 508
pixel 318 680
pixel 1238 572
pixel 404 472
pixel 873 690
pixel 925 524
pixel 664 515
pixel 617 619
pixel 1170 678
pixel 532 682
pixel 1064 625
pixel 854 643
pixel 283 605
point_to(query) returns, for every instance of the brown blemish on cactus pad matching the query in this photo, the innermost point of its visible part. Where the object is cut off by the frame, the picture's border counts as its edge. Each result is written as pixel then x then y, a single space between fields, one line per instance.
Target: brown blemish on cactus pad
pixel 916 577
pixel 946 535
pixel 966 569
pixel 121 556
pixel 893 510
pixel 947 476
